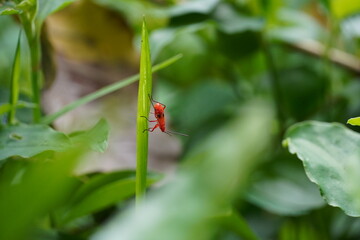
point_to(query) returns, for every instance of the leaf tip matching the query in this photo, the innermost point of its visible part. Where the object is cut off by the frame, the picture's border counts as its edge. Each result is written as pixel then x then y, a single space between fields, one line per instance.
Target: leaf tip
pixel 143 21
pixel 285 143
pixel 354 121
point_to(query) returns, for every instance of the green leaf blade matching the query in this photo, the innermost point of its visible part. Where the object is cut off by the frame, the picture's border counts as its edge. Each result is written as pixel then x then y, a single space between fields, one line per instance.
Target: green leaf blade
pixel 14 85
pixel 330 154
pixel 102 191
pixel 100 180
pixel 145 90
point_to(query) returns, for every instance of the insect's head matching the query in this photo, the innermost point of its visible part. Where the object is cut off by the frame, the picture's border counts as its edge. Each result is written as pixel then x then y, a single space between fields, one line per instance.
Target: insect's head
pixel 159 107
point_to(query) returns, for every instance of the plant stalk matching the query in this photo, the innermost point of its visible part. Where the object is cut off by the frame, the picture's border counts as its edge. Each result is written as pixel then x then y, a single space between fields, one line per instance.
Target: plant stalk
pixel 145 89
pixel 275 85
pixel 35 55
pixel 32 33
pixel 15 76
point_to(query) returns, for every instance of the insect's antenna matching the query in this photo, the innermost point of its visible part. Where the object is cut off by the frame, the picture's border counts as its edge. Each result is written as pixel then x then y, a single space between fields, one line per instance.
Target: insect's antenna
pixel 177 133
pixel 151 100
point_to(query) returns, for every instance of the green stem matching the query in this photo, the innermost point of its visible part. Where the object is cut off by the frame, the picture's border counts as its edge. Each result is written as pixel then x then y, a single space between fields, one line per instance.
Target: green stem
pixel 35 54
pixel 33 37
pixel 145 90
pixel 275 84
pixel 104 91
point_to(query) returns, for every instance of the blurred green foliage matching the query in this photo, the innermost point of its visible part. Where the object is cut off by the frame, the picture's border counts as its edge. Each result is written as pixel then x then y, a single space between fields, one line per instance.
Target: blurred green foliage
pixel 243 81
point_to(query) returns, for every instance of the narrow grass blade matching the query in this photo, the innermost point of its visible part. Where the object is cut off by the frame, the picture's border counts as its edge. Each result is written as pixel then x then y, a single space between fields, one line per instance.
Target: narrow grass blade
pixel 14 85
pixel 145 89
pixel 105 90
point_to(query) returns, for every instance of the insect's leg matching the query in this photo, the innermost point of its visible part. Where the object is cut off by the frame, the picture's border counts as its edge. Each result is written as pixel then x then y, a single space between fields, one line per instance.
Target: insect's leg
pixel 157 125
pixel 148 119
pixel 151 129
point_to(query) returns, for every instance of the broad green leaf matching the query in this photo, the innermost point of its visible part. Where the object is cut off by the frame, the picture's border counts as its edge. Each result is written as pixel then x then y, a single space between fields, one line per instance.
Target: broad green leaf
pixel 96 137
pixel 354 121
pixel 331 156
pixel 30 190
pixel 102 191
pixel 29 140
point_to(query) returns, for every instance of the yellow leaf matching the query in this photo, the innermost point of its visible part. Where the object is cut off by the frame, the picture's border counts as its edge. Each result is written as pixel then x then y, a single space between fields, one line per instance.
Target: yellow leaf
pixel 354 121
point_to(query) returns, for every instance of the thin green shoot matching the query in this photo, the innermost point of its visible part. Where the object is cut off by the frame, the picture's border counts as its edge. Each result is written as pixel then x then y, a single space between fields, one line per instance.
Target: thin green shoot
pixel 145 89
pixel 14 85
pixel 105 90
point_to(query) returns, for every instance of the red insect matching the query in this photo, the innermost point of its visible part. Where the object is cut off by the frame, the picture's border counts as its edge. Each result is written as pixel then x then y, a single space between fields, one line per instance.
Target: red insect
pixel 159 109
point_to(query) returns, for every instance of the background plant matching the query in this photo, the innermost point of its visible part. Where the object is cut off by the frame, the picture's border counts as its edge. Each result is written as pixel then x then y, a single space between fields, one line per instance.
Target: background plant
pixel 46 158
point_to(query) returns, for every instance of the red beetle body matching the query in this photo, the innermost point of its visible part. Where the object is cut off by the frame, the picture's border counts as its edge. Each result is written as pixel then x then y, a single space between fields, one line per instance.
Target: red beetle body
pixel 160 116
